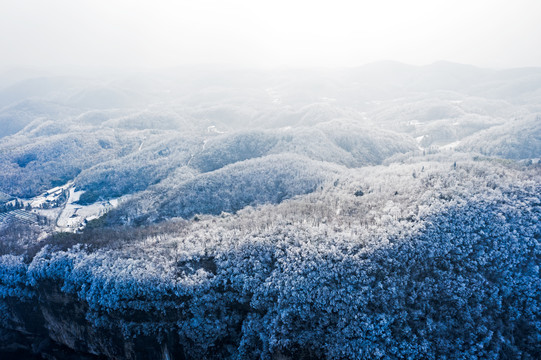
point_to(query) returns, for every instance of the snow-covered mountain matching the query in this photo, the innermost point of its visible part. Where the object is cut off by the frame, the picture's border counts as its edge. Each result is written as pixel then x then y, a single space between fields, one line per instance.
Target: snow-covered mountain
pixel 385 211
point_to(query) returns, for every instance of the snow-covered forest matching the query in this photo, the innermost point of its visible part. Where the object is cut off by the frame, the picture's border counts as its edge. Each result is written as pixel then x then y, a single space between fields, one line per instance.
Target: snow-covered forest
pixel 386 211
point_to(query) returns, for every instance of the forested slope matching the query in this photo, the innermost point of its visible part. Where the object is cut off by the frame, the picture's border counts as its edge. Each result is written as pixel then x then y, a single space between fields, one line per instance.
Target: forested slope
pixel 408 261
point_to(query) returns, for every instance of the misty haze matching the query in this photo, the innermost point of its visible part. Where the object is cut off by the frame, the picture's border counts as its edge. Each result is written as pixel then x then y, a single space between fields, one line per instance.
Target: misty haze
pixel 251 181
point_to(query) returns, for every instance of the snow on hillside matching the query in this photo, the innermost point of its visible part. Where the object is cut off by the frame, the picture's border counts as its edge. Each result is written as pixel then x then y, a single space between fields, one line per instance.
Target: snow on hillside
pixel 48 197
pixel 74 217
pixel 66 214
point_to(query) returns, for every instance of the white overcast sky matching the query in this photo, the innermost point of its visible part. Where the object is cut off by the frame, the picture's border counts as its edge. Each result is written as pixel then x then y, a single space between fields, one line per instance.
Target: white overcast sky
pixel 166 33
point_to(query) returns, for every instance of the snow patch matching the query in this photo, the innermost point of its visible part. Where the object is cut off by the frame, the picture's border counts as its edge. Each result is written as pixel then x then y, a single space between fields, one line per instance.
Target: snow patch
pixel 450 146
pixel 213 129
pixel 74 217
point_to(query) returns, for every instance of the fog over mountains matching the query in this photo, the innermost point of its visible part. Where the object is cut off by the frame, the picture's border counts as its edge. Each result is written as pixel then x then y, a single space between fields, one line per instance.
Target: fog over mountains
pixel 386 211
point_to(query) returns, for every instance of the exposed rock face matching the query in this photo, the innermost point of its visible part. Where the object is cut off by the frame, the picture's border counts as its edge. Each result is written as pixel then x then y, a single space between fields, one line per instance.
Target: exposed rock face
pixel 53 325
